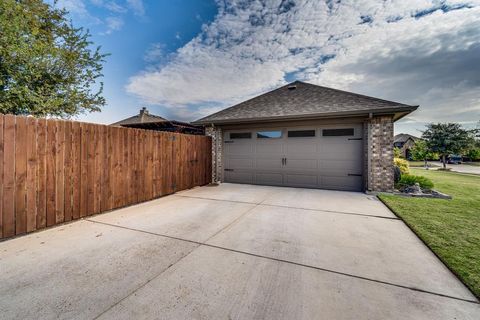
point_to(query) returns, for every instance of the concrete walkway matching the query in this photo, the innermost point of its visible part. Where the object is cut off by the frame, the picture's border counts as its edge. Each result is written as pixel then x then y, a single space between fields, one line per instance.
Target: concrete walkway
pixel 232 252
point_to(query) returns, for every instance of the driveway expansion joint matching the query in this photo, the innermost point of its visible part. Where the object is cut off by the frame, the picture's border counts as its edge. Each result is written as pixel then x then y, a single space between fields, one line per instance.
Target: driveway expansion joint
pixel 300 208
pixel 272 259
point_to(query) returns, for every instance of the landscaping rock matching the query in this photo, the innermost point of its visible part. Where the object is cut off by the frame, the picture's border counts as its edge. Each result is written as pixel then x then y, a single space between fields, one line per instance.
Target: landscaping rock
pixel 416 191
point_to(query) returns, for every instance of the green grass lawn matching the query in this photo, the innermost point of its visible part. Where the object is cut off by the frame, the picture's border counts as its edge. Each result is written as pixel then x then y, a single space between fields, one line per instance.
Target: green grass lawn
pixel 451 228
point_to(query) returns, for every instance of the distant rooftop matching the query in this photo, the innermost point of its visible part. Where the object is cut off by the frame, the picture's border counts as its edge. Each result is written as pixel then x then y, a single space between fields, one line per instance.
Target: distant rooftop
pixel 145 120
pixel 403 137
pixel 142 117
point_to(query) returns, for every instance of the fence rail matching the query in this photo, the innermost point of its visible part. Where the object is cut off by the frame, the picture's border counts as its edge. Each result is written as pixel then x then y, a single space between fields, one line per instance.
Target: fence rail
pixel 54 171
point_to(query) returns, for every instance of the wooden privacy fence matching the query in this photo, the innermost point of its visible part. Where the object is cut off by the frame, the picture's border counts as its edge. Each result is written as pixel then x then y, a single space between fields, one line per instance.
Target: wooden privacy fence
pixel 54 171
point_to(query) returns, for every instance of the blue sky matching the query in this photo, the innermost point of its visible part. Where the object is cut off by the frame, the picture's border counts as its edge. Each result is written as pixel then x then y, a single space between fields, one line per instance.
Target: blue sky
pixel 184 59
pixel 136 34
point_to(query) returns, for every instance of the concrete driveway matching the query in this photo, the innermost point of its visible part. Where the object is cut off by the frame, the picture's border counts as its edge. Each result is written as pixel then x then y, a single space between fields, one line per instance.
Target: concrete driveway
pixel 464 168
pixel 232 252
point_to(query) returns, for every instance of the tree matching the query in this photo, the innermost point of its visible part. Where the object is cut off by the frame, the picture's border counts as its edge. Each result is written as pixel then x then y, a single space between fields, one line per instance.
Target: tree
pixel 447 138
pixel 47 67
pixel 474 152
pixel 420 152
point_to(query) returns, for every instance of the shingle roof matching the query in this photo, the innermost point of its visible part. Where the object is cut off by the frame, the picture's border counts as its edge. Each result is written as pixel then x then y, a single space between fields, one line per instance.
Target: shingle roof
pixel 143 117
pixel 303 100
pixel 403 137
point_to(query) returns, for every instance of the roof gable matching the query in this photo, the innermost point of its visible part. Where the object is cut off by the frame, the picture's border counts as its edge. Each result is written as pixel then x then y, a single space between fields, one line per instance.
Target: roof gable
pixel 404 137
pixel 142 117
pixel 301 100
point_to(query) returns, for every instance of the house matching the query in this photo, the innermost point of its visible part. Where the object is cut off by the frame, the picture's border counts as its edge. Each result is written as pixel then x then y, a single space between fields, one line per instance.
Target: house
pixel 405 143
pixel 304 135
pixel 145 120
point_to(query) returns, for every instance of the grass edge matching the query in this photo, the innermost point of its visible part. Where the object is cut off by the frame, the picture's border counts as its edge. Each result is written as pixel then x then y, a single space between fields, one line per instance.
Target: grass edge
pixel 412 228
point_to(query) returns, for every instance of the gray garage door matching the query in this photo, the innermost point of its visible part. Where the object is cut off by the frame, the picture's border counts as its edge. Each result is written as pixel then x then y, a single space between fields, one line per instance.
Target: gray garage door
pixel 327 157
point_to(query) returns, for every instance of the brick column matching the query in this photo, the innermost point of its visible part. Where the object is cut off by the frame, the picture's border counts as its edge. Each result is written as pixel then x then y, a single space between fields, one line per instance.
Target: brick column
pixel 217 146
pixel 379 154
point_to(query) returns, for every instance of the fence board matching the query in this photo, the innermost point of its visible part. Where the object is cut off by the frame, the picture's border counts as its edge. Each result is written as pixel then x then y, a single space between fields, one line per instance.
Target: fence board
pixel 104 170
pixel 136 165
pixel 148 166
pixel 68 194
pixel 169 159
pixel 20 175
pixel 83 168
pixel 9 176
pixel 126 171
pixel 123 167
pixel 90 168
pixel 53 171
pixel 31 182
pixel 110 199
pixel 116 167
pixel 1 175
pixel 41 173
pixel 156 166
pixel 76 169
pixel 59 176
pixel 98 169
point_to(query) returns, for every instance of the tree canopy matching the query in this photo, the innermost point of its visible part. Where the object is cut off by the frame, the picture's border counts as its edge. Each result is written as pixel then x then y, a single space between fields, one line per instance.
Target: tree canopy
pixel 421 152
pixel 47 66
pixel 448 138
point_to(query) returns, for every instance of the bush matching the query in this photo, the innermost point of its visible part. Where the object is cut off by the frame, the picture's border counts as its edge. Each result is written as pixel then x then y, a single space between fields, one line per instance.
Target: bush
pixel 402 164
pixel 409 180
pixel 474 154
pixel 397 153
pixel 433 156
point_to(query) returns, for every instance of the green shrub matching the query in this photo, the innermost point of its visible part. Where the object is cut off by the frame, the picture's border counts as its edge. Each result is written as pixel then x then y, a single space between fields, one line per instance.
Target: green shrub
pixel 402 164
pixel 410 180
pixel 397 153
pixel 433 156
pixel 474 154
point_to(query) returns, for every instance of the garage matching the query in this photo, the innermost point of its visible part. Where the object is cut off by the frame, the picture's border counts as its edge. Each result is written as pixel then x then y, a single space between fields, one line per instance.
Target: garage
pixel 306 135
pixel 326 157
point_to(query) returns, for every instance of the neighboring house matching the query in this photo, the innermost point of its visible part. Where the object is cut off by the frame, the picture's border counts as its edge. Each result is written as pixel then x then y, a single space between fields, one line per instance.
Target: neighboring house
pixel 145 120
pixel 303 135
pixel 404 142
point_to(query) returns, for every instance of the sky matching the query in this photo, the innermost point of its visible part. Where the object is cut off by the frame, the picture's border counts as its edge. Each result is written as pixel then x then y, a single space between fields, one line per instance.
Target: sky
pixel 184 59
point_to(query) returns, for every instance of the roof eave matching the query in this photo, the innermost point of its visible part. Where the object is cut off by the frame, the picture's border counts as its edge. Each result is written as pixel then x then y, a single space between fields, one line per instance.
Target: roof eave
pixel 397 113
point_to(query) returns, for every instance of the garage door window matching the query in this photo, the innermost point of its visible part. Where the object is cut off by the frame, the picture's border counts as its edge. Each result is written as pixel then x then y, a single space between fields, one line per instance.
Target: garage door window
pixel 337 132
pixel 240 135
pixel 269 134
pixel 301 133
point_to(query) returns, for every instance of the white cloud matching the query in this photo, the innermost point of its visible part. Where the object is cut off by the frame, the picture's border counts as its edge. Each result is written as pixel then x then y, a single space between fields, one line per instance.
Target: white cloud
pixel 395 49
pixel 113 24
pixel 154 53
pixel 73 6
pixel 137 7
pixel 115 10
pixel 114 7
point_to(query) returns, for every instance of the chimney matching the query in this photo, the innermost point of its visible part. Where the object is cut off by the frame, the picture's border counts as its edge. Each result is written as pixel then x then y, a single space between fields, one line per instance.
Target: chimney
pixel 143 112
